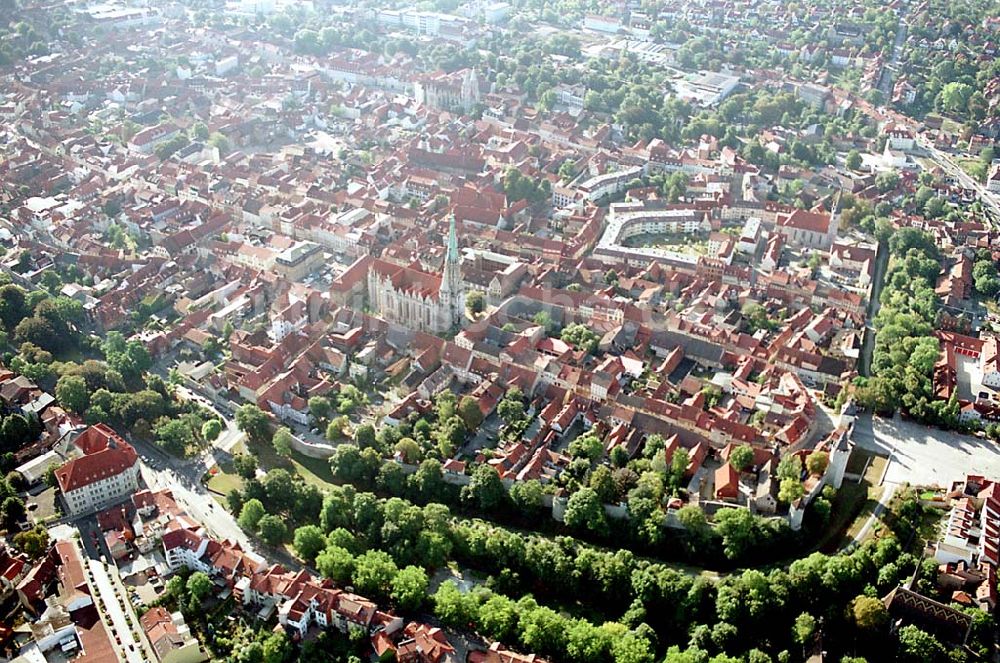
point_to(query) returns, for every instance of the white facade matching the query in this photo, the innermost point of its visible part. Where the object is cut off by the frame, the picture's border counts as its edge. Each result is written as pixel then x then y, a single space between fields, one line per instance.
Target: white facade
pixel 285 323
pixel 227 64
pixel 182 556
pixel 103 492
pixel 990 360
pixel 750 237
pixel 993 183
pixel 608 184
pixel 606 24
pixel 901 140
pixel 631 219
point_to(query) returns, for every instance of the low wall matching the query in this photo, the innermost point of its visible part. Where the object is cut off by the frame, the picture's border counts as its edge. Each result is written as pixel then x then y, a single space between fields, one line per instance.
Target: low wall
pixel 312 449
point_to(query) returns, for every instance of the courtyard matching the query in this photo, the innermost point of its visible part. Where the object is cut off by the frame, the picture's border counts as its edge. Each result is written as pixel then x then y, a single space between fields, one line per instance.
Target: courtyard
pixel 926 456
pixel 970 377
pixel 689 243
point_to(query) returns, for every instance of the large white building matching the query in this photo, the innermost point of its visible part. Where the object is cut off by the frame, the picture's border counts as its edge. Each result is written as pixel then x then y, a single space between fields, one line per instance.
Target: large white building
pixel 971 535
pixel 608 184
pixel 705 88
pixel 106 473
pixel 634 218
pixel 993 181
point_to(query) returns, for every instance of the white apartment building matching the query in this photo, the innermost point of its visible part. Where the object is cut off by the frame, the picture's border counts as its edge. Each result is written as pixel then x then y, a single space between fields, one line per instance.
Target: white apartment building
pixel 608 184
pixel 106 473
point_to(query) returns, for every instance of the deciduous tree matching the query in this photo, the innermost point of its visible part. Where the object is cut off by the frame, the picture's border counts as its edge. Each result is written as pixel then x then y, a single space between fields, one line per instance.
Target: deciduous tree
pixel 374 572
pixel 336 563
pixel 251 420
pixel 198 585
pixel 308 541
pixel 272 529
pixel 409 588
pixel 475 302
pixel 282 442
pixel 211 430
pixel 486 490
pixel 584 510
pixel 251 514
pixel 741 457
pixel 817 462
pixel 869 613
pixel 468 410
pixel 73 394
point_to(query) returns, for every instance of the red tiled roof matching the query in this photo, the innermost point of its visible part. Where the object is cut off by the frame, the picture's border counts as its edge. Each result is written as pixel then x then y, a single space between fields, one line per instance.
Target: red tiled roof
pixel 803 220
pixel 105 455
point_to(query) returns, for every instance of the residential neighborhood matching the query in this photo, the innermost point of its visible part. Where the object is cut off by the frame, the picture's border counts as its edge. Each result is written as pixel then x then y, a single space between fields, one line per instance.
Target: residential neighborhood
pixel 499 332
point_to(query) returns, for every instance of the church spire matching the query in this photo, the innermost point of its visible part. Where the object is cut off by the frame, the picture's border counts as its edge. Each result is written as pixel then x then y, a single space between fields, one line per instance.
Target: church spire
pixel 452 242
pixel 452 293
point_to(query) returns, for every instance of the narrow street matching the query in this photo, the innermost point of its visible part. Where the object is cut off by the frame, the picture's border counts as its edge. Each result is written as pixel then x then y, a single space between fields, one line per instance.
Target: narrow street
pixel 888 78
pixel 874 303
pixel 122 621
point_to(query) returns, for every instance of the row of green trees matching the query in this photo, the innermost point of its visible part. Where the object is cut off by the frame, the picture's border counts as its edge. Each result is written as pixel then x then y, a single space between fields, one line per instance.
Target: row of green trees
pixel 738 536
pixel 906 349
pixel 385 547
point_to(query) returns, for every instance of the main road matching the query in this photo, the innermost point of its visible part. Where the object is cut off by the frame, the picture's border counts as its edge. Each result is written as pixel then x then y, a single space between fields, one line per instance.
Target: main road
pixel 183 478
pixel 184 481
pixel 990 200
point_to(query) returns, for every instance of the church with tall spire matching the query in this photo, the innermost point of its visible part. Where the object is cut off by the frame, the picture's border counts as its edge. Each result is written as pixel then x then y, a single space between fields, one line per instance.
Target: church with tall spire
pixel 452 293
pixel 418 299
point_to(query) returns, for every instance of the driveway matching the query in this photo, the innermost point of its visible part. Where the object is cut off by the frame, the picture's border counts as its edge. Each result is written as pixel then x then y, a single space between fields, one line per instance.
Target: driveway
pixel 883 504
pixel 926 456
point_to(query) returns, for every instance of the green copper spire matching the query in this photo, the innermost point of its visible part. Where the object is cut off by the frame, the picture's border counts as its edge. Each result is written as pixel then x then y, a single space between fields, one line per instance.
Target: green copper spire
pixel 452 241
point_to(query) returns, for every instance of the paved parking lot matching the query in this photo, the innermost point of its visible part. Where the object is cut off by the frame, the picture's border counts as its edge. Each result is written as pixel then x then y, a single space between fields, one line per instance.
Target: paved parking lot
pixel 927 456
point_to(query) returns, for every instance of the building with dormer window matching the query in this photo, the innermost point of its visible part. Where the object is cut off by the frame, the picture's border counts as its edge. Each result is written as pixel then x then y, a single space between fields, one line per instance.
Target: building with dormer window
pixel 106 473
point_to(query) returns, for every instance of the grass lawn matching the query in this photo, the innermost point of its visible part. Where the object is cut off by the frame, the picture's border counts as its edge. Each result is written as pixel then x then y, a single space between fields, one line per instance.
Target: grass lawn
pixel 970 166
pixel 313 470
pixel 854 502
pixel 858 461
pixel 851 508
pixel 873 495
pixel 876 469
pixel 46 509
pixel 929 529
pixel 950 125
pixel 225 481
pixel 266 455
pixel 690 243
